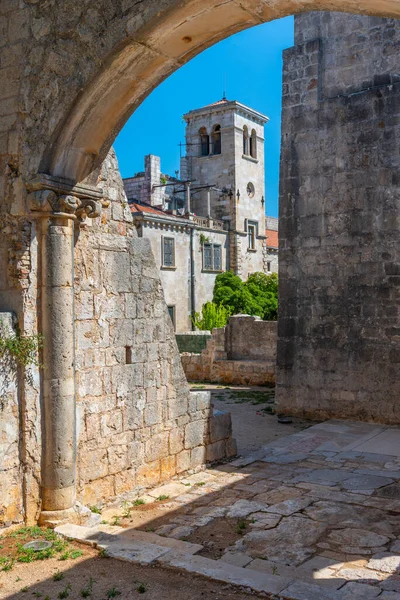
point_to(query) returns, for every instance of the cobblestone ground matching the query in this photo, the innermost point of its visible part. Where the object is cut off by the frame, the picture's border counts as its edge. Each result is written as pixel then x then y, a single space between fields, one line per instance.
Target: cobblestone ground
pixel 321 506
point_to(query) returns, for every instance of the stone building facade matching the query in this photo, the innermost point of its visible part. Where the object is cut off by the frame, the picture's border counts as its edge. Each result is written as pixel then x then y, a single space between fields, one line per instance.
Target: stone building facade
pixel 338 346
pixel 213 217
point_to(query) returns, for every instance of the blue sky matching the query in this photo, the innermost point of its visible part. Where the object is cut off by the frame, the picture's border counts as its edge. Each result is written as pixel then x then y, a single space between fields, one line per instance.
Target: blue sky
pixel 252 64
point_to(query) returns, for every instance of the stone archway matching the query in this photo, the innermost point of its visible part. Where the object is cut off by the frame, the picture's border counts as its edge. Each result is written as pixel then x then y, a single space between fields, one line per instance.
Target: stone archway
pixel 77 74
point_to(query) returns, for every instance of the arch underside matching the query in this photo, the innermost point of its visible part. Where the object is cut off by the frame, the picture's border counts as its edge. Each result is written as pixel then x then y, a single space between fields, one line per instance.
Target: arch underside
pixel 143 60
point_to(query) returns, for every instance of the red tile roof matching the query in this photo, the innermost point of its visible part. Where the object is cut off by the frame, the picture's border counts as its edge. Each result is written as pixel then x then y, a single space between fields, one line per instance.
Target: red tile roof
pixel 146 208
pixel 223 101
pixel 272 238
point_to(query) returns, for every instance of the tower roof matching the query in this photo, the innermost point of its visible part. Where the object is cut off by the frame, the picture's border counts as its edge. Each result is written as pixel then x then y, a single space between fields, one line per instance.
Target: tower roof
pixel 225 104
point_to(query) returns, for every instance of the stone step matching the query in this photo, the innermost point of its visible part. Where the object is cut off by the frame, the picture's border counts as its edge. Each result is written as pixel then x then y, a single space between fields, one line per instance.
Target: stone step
pixel 221 571
pixel 105 535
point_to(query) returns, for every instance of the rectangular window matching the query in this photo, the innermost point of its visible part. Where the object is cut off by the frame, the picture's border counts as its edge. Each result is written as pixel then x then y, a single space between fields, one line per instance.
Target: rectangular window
pixel 212 257
pixel 251 233
pixel 171 312
pixel 268 266
pixel 217 258
pixel 207 257
pixel 168 252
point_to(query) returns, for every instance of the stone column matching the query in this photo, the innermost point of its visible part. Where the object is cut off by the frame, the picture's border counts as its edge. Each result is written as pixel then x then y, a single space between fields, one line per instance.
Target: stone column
pixel 209 203
pixel 187 197
pixel 58 378
pixel 59 214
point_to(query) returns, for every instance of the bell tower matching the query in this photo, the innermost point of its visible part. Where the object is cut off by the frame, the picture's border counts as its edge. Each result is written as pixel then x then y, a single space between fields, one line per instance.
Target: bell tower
pixel 225 148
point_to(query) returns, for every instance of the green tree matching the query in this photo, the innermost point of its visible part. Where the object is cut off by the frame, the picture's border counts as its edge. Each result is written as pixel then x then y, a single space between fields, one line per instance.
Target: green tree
pixel 257 296
pixel 211 316
pixel 264 290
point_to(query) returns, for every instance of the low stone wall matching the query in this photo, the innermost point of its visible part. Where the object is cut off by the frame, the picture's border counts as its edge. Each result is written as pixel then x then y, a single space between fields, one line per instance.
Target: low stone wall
pixel 242 353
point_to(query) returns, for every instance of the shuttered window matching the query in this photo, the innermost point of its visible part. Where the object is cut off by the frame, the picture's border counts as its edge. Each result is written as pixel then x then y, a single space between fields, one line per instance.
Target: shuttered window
pixel 207 257
pixel 217 258
pixel 212 257
pixel 168 252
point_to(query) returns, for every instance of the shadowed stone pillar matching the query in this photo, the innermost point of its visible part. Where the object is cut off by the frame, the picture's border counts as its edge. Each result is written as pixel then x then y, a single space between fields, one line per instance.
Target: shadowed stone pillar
pixel 59 213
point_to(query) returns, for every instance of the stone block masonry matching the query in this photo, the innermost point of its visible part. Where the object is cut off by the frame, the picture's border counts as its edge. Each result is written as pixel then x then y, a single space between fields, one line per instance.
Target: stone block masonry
pixel 338 348
pixel 242 353
pixel 138 424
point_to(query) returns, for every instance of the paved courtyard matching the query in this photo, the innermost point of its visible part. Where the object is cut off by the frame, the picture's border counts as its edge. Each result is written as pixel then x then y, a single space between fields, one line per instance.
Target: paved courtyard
pixel 313 515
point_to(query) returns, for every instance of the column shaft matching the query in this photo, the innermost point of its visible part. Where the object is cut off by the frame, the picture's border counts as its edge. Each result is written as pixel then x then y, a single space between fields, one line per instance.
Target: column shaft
pixel 57 316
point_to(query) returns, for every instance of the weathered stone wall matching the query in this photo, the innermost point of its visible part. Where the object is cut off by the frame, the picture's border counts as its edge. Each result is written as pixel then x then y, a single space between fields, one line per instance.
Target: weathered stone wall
pixel 250 338
pixel 243 353
pixel 138 423
pixel 11 497
pixel 338 348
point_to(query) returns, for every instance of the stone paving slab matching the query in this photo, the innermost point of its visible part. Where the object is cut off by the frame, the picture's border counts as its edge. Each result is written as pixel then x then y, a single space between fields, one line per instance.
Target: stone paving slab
pixel 220 571
pixel 322 517
pixel 386 442
pixel 301 590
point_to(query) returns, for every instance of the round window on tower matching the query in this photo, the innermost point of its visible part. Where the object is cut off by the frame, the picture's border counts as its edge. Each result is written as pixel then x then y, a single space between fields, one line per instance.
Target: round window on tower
pixel 250 189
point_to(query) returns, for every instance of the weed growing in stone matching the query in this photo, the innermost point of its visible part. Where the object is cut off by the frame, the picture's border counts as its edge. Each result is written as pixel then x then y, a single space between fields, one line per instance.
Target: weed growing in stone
pixel 142 588
pixel 127 510
pixel 161 498
pixel 113 592
pixel 58 576
pixel 95 509
pixel 139 502
pixel 241 526
pixel 116 520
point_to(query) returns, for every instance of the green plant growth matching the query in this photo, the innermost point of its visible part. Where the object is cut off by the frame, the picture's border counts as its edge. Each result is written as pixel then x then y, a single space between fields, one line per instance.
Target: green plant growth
pixel 65 592
pixel 258 296
pixel 211 316
pixel 161 498
pixel 95 509
pixel 58 576
pixel 87 591
pixel 113 592
pixel 138 502
pixel 141 588
pixel 21 348
pixel 241 527
pixel 204 239
pixel 127 510
pixel 17 350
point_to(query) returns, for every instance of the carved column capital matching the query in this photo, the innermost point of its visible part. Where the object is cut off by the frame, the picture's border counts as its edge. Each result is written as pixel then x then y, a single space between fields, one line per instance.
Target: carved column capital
pixel 57 197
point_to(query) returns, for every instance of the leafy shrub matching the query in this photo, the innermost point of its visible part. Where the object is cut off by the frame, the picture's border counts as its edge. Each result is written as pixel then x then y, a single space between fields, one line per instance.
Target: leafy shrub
pixel 258 296
pixel 211 316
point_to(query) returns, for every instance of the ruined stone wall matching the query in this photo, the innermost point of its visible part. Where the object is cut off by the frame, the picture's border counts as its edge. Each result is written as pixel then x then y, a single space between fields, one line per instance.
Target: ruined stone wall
pixel 242 353
pixel 338 348
pixel 138 423
pixel 11 497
